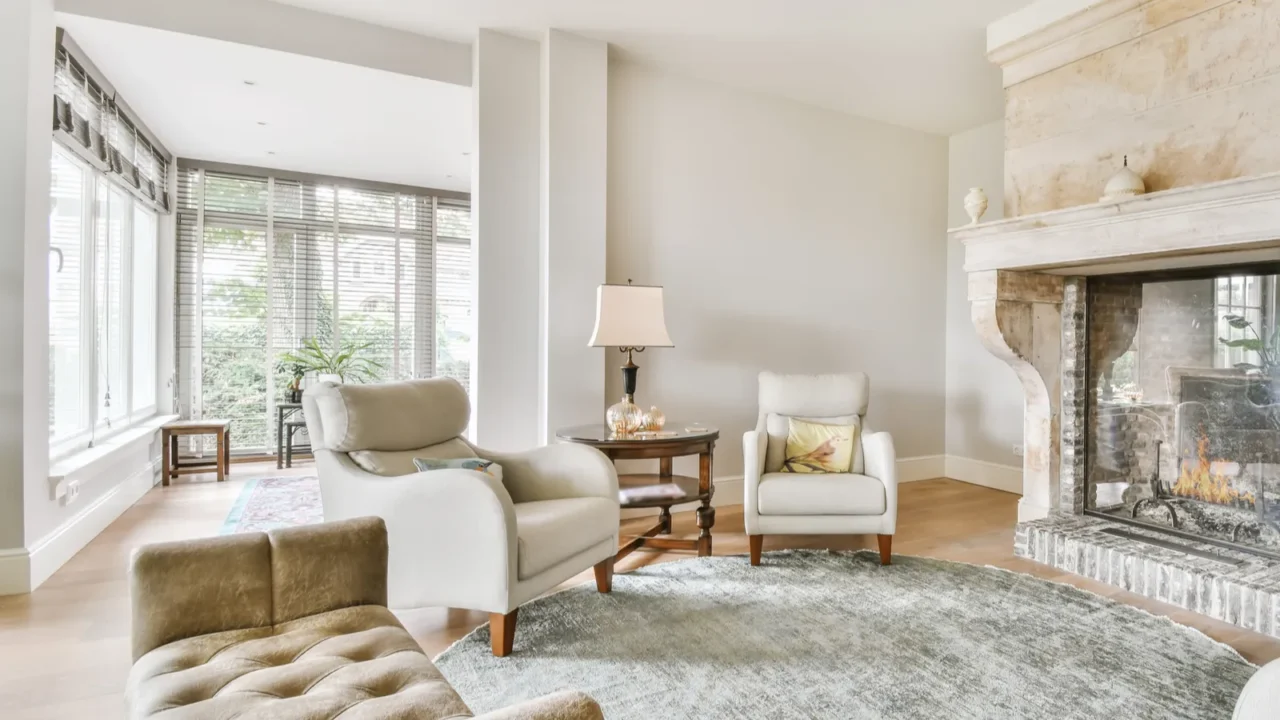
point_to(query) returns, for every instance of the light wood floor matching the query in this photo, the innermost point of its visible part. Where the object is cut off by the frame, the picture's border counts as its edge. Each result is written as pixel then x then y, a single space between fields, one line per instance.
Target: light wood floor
pixel 64 649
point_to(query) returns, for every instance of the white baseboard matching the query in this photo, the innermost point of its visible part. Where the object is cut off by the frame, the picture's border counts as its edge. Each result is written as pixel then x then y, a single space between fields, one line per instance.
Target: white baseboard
pixel 15 571
pixel 925 467
pixel 53 550
pixel 987 474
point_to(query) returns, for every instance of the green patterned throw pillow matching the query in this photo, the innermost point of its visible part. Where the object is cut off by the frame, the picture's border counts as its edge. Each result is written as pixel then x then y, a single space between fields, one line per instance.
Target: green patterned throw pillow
pixel 488 467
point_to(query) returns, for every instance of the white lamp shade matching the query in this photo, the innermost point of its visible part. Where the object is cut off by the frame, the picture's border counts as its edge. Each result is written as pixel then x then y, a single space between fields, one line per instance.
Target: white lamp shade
pixel 630 316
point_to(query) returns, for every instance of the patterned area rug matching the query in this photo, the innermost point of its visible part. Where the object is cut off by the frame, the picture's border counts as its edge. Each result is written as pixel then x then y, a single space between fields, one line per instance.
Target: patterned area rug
pixel 834 635
pixel 275 502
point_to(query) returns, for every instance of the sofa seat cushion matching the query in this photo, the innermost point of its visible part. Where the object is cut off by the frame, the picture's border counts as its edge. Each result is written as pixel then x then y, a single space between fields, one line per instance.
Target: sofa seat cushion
pixel 552 531
pixel 816 494
pixel 357 662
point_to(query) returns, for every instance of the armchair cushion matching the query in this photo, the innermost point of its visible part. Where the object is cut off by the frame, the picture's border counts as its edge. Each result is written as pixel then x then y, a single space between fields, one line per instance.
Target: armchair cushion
pixel 818 494
pixel 391 463
pixel 778 427
pixel 552 531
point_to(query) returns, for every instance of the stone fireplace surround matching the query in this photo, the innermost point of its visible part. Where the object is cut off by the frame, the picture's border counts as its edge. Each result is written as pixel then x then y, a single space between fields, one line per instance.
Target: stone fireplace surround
pixel 1027 278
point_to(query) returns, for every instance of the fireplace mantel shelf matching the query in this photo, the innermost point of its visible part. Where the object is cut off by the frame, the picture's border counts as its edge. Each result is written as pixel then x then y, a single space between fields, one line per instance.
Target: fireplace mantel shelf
pixel 1173 228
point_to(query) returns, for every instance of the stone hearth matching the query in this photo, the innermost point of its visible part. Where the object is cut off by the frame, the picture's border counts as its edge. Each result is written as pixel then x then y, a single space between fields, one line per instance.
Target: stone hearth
pixel 1237 587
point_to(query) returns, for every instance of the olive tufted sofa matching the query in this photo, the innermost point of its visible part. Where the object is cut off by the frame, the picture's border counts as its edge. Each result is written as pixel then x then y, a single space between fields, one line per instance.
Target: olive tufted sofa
pixel 290 624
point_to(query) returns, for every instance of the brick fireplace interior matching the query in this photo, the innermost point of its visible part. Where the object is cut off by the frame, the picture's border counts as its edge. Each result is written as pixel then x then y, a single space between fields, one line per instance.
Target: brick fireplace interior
pixel 1183 418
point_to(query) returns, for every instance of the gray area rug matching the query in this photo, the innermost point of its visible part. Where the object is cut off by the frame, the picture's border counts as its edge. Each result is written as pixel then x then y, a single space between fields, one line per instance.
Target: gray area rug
pixel 812 634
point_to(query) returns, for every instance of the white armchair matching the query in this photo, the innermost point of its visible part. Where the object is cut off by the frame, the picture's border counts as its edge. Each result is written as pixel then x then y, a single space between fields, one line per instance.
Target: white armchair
pixel 864 501
pixel 461 538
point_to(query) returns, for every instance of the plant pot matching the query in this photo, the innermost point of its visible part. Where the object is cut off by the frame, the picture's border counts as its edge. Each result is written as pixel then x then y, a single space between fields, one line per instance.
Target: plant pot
pixel 328 377
pixel 295 396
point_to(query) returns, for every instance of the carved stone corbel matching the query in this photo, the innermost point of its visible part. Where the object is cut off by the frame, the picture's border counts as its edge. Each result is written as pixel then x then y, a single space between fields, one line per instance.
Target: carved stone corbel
pixel 1018 316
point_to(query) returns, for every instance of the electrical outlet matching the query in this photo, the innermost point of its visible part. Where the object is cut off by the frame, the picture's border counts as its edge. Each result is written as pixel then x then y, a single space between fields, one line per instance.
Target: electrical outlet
pixel 1017 450
pixel 73 491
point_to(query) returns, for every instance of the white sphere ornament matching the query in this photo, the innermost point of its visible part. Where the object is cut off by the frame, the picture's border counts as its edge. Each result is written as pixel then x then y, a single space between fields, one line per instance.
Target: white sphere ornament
pixel 1124 184
pixel 975 203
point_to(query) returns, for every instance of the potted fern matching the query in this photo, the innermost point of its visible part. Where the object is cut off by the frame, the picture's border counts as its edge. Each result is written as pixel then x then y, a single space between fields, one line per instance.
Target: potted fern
pixel 346 364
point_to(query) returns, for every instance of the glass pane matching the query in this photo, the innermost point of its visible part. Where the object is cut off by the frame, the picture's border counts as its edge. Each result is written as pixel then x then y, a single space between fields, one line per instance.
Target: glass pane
pixel 234 332
pixel 67 219
pixel 114 209
pixel 1253 291
pixel 144 309
pixel 367 299
pixel 1237 291
pixel 453 311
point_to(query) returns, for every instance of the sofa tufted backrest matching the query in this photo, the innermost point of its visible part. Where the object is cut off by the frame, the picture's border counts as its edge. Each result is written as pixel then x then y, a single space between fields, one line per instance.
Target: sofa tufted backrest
pixel 250 580
pixel 391 416
pixel 831 399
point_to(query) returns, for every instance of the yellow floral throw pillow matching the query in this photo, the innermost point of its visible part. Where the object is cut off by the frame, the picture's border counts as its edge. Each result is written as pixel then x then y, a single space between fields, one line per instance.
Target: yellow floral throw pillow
pixel 819 448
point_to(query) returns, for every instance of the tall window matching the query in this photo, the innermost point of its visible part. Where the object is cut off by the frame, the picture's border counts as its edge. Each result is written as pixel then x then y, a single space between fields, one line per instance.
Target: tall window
pixel 266 263
pixel 108 183
pixel 1252 298
pixel 102 304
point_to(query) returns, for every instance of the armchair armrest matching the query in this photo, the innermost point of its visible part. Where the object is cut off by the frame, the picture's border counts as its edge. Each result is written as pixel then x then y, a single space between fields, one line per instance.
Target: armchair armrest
pixel 880 462
pixel 879 458
pixel 754 444
pixel 557 471
pixel 563 705
pixel 452 532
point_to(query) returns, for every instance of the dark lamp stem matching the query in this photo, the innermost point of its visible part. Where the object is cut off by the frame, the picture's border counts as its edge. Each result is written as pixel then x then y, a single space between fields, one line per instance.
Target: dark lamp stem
pixel 629 373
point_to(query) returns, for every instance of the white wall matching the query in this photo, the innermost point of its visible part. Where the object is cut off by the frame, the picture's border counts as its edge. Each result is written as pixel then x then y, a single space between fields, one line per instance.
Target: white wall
pixel 506 167
pixel 575 119
pixel 788 238
pixel 984 400
pixel 26 76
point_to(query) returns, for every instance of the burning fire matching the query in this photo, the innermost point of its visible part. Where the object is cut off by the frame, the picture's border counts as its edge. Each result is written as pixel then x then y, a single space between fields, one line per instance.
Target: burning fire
pixel 1202 481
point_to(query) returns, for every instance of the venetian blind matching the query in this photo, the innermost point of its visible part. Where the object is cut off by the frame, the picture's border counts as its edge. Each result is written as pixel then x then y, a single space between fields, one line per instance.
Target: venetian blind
pixel 265 263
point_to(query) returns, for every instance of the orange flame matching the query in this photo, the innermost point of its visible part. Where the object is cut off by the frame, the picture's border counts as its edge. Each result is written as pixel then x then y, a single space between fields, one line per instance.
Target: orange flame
pixel 1198 480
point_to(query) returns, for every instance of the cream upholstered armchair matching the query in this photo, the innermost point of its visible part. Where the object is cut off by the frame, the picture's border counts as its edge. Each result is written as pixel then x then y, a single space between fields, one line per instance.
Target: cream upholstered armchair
pixel 461 538
pixel 863 501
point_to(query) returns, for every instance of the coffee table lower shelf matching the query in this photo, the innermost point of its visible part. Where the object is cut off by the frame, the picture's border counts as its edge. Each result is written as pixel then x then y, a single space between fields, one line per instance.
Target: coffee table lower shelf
pixel 694 493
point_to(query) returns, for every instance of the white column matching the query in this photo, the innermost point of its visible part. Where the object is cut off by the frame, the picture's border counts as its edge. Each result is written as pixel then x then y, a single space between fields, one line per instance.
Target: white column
pixel 575 111
pixel 26 97
pixel 505 220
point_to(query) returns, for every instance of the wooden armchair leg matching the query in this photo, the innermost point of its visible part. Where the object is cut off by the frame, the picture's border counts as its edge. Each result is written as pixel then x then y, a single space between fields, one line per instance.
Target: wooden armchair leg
pixel 757 545
pixel 604 575
pixel 502 632
pixel 886 544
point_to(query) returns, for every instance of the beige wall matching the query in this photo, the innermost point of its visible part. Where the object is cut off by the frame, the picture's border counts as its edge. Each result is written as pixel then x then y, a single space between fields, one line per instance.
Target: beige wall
pixel 788 238
pixel 1188 89
pixel 984 399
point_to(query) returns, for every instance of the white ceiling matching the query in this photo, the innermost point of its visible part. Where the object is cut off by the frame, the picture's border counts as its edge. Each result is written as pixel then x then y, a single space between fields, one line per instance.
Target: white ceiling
pixel 916 63
pixel 321 116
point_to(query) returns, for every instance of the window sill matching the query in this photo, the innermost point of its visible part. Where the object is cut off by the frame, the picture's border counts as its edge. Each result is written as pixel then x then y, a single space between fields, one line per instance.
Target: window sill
pixel 101 454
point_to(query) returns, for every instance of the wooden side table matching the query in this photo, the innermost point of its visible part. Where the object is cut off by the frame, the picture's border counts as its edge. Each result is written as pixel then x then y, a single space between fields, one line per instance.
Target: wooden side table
pixel 169 434
pixel 677 442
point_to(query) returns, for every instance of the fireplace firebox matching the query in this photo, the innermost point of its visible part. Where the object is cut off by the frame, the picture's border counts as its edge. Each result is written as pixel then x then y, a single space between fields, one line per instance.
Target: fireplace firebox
pixel 1183 404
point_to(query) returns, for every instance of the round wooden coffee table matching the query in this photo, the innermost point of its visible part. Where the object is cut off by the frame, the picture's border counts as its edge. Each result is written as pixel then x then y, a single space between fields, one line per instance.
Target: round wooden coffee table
pixel 677 440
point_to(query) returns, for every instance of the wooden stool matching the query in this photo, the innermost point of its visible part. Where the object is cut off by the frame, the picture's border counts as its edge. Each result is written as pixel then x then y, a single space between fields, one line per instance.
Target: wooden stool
pixel 169 435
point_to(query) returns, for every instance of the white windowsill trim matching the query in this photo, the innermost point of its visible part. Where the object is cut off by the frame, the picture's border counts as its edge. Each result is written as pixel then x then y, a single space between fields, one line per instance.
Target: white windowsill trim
pixel 101 453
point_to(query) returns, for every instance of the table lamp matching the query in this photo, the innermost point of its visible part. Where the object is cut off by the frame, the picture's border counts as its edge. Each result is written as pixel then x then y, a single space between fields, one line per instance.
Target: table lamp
pixel 630 318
